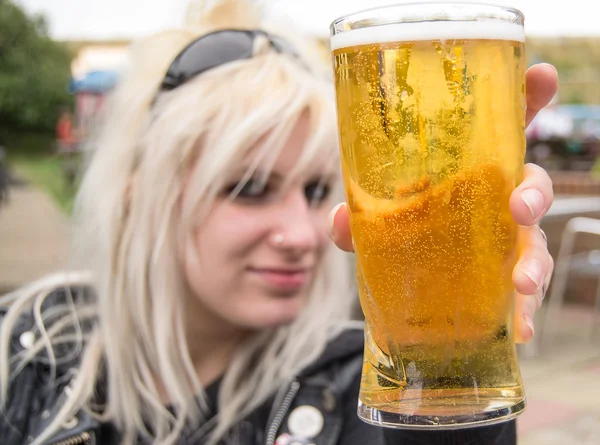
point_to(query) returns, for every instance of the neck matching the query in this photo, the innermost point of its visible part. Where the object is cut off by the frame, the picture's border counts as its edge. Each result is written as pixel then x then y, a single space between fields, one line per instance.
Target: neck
pixel 211 342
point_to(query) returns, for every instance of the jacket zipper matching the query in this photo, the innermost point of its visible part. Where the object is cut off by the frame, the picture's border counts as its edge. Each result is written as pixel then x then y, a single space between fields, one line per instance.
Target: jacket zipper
pixel 285 406
pixel 84 438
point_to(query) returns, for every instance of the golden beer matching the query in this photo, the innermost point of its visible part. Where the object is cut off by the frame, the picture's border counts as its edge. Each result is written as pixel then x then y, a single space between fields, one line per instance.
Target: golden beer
pixel 432 139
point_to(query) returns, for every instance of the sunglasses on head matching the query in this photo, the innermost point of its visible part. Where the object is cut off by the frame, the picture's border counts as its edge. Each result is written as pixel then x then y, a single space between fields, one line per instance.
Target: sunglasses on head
pixel 216 49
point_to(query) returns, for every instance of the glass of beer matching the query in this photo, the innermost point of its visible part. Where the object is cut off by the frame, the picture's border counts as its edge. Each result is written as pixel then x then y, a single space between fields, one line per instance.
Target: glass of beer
pixel 431 113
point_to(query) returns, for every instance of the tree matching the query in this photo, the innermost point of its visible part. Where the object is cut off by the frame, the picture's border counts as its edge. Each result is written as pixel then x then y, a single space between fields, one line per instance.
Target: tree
pixel 34 72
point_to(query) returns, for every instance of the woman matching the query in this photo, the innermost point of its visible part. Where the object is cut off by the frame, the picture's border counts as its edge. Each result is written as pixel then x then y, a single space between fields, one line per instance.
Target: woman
pixel 213 308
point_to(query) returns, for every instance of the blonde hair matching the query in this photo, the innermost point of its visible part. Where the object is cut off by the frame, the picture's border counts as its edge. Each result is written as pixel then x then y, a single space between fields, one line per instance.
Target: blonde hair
pixel 130 226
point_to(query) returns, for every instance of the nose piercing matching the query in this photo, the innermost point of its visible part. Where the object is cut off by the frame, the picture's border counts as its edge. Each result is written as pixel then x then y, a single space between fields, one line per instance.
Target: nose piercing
pixel 278 239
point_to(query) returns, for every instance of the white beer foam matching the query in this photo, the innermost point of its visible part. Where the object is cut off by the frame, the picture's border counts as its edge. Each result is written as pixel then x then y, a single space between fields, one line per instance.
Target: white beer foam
pixel 434 30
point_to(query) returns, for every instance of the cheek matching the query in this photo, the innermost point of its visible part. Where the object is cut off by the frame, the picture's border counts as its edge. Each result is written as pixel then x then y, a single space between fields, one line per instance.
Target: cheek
pixel 321 221
pixel 229 235
pixel 218 252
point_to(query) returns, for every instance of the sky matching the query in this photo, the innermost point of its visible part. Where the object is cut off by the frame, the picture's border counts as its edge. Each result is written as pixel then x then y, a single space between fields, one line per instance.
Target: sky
pixel 127 19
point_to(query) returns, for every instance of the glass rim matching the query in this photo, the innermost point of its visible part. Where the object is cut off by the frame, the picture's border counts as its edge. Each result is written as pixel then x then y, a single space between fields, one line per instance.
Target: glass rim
pixel 429 13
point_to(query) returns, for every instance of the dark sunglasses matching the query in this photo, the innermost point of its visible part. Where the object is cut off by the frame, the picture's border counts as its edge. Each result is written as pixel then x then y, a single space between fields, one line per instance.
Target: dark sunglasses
pixel 215 49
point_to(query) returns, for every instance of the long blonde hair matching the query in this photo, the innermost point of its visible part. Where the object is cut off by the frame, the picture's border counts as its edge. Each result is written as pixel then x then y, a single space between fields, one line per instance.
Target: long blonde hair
pixel 131 221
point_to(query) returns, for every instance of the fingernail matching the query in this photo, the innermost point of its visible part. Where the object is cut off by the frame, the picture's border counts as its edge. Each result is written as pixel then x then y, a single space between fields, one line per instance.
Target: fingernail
pixel 529 322
pixel 331 218
pixel 551 66
pixel 534 201
pixel 534 270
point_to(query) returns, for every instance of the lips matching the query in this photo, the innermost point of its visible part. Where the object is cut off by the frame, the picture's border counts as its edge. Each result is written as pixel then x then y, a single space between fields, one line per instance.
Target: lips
pixel 283 279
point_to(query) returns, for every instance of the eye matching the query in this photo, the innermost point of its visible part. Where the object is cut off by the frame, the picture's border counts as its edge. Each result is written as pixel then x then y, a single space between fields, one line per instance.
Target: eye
pixel 317 192
pixel 251 190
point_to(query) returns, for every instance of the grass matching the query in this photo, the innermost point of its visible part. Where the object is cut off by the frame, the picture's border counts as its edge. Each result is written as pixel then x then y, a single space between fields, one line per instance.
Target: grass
pixel 32 157
pixel 46 172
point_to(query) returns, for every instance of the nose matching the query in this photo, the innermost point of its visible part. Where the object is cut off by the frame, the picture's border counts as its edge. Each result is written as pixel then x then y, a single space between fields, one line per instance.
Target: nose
pixel 298 229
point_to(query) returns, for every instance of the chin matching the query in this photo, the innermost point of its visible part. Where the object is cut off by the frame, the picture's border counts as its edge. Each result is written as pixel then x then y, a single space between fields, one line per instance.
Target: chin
pixel 283 321
pixel 275 315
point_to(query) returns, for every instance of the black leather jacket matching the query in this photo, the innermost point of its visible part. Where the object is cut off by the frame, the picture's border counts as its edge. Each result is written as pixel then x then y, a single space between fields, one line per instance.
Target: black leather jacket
pixel 327 391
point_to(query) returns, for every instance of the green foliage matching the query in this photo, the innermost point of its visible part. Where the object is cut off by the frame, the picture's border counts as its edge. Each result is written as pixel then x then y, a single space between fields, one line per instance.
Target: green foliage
pixel 575 98
pixel 47 172
pixel 34 72
pixel 31 156
pixel 577 61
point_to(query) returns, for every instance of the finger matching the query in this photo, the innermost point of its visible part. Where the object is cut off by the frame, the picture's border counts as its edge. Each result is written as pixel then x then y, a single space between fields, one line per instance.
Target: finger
pixel 527 305
pixel 525 309
pixel 541 84
pixel 530 201
pixel 534 264
pixel 339 228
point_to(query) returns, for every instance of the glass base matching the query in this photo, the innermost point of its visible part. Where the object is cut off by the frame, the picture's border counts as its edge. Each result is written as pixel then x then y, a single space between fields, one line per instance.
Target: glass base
pixel 387 419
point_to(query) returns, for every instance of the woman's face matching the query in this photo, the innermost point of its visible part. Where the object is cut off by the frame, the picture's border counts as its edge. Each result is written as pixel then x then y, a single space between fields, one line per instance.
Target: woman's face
pixel 257 254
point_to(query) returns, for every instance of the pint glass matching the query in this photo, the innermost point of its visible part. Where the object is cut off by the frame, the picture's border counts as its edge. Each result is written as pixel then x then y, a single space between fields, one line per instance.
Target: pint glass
pixel 431 113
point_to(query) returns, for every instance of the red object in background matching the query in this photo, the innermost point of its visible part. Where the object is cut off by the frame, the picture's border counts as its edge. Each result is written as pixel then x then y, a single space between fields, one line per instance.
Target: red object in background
pixel 64 130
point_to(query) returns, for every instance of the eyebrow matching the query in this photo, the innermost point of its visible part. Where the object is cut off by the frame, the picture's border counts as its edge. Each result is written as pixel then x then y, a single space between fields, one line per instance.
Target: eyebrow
pixel 325 176
pixel 278 178
pixel 242 171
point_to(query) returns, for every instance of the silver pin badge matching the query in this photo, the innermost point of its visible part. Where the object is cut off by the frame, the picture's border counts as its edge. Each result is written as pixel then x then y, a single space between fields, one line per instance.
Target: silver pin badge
pixel 305 421
pixel 27 339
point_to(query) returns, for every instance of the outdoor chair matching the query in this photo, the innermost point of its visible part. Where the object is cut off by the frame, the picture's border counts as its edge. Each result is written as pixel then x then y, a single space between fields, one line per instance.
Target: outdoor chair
pixel 568 264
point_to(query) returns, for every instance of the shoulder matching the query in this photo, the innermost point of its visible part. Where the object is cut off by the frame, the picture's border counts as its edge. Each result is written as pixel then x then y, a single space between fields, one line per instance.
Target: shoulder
pixel 42 329
pixel 53 312
pixel 338 369
pixel 38 373
pixel 344 349
pixel 323 410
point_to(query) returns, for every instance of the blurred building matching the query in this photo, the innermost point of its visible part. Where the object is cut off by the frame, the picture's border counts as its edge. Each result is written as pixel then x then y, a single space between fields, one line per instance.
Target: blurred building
pixel 98 56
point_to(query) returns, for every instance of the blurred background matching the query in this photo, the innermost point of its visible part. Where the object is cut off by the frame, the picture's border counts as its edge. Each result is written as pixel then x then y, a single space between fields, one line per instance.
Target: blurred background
pixel 59 59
